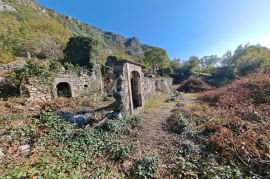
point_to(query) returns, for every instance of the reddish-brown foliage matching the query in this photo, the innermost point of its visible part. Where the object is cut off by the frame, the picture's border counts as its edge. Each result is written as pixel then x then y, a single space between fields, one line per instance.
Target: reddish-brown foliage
pixel 248 98
pixel 194 84
pixel 244 135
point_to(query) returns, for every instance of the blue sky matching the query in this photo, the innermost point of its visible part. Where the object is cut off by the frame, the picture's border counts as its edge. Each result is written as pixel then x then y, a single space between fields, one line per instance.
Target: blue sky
pixel 182 27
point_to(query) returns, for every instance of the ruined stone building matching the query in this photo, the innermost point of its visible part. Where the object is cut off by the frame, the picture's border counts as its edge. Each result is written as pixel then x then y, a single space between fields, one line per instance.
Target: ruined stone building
pixel 131 86
pixel 67 84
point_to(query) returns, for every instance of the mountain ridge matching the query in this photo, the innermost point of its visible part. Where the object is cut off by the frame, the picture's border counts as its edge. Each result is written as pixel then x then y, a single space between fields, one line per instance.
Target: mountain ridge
pixel 36 18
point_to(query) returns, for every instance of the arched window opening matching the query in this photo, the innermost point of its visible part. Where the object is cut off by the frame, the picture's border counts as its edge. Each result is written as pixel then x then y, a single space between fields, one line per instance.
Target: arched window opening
pixel 64 90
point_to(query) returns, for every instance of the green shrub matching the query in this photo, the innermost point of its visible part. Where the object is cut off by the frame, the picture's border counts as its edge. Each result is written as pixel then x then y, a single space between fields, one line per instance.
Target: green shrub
pixel 64 150
pixel 135 122
pixel 83 51
pixel 177 122
pixel 121 151
pixel 146 167
pixel 42 72
pixel 223 172
pixel 183 165
pixel 116 126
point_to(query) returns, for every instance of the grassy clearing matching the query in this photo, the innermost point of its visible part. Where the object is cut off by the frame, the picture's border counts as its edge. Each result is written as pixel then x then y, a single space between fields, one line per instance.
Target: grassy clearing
pixel 156 103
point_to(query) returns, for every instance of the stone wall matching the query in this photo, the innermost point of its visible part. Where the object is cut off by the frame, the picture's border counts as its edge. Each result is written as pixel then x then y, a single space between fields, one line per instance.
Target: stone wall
pixel 164 84
pixel 4 81
pixel 149 87
pixel 6 68
pixel 35 91
pixel 122 88
pixel 82 85
pixel 146 87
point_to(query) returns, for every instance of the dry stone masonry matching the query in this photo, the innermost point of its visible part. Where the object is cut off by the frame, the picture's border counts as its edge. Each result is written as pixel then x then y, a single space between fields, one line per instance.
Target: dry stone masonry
pixel 132 87
pixel 65 85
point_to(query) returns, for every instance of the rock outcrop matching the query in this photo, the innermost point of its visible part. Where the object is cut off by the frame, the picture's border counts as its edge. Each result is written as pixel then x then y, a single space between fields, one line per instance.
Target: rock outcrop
pixel 6 8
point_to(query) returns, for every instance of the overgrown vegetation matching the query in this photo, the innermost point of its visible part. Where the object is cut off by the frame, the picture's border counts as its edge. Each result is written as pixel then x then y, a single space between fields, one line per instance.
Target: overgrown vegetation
pixel 42 72
pixel 82 51
pixel 244 135
pixel 146 167
pixel 193 84
pixel 60 149
pixel 228 131
pixel 177 122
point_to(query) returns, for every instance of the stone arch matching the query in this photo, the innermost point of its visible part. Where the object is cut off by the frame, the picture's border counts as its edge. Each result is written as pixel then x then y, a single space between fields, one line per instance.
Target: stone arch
pixel 64 90
pixel 135 80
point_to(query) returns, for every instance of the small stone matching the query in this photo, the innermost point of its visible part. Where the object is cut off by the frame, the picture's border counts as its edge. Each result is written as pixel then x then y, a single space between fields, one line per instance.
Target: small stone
pixel 127 165
pixel 2 156
pixel 19 107
pixel 167 100
pixel 24 149
pixel 173 98
pixel 2 132
pixel 118 115
pixel 36 108
pixel 80 120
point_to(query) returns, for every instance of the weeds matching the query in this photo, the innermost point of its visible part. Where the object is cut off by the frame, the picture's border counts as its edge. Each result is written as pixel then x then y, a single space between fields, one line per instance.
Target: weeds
pixel 177 122
pixel 146 167
pixel 121 151
pixel 233 135
pixel 60 149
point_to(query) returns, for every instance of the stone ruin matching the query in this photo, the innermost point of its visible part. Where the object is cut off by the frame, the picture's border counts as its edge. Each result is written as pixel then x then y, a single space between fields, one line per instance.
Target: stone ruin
pixel 66 84
pixel 131 86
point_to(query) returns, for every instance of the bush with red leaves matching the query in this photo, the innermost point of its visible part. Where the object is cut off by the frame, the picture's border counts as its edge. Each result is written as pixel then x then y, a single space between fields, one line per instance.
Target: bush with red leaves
pixel 243 138
pixel 193 84
pixel 247 98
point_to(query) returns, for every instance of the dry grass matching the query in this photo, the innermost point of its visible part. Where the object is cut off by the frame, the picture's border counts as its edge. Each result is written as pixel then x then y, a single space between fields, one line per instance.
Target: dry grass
pixel 29 108
pixel 243 136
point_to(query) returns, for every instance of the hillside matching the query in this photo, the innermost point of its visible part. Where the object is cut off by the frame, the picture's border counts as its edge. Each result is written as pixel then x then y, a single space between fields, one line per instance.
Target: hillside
pixel 27 28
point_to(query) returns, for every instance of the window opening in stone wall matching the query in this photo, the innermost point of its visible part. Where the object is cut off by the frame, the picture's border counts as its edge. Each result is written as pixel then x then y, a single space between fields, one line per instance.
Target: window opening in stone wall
pixel 64 90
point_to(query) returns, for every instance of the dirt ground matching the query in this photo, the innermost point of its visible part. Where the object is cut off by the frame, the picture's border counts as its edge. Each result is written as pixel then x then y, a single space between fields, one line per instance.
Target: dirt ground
pixel 154 139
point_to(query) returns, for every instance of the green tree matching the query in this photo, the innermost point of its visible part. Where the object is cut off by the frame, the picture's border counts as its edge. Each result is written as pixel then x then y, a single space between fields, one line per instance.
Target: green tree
pixel 83 51
pixel 156 59
pixel 252 59
pixel 208 63
pixel 247 59
pixel 175 65
pixel 228 60
pixel 192 65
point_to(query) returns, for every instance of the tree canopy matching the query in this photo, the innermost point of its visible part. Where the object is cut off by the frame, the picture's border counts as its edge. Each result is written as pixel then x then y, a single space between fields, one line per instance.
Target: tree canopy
pixel 82 51
pixel 175 65
pixel 156 59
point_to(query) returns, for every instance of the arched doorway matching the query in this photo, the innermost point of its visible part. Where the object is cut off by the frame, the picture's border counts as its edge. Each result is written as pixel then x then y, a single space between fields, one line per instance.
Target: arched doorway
pixel 136 89
pixel 64 90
